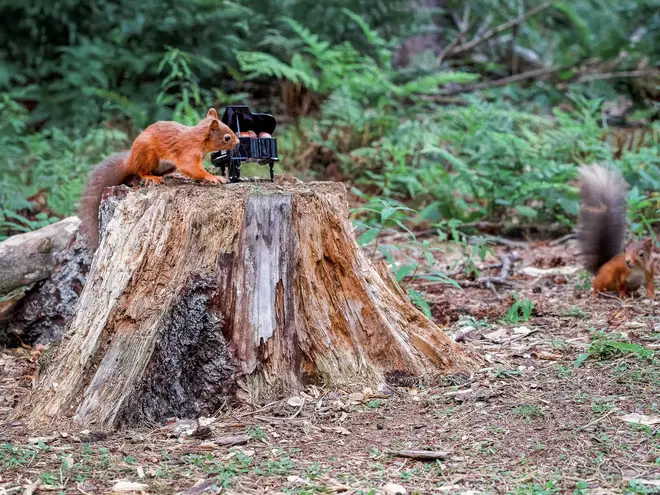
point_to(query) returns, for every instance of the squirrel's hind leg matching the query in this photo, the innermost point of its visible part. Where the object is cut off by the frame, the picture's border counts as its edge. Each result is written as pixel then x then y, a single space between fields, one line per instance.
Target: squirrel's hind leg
pixel 623 291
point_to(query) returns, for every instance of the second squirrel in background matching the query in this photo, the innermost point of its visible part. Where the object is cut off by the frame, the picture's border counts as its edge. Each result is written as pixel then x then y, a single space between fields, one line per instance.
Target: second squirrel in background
pixel 158 150
pixel 601 228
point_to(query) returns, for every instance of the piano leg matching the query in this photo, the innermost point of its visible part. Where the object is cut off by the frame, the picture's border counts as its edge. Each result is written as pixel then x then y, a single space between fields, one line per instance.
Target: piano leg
pixel 271 165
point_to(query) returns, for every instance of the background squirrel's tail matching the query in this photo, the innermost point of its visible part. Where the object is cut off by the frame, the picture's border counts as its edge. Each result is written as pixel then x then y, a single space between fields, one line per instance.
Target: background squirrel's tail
pixel 110 172
pixel 602 222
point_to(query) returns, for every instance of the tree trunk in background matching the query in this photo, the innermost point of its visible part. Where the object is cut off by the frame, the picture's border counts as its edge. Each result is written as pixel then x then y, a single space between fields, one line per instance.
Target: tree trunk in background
pixel 198 290
pixel 415 45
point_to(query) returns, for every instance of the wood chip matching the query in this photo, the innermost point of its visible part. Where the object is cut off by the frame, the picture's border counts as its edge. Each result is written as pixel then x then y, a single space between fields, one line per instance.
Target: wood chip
pixel 641 419
pixel 232 440
pixel 129 486
pixel 424 455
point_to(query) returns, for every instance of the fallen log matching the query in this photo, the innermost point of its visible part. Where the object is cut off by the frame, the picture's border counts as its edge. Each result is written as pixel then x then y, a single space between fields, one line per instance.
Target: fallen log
pixel 198 294
pixel 41 276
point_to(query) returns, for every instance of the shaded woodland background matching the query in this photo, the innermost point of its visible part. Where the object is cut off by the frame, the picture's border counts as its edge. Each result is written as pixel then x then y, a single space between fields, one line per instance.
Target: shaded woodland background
pixel 439 114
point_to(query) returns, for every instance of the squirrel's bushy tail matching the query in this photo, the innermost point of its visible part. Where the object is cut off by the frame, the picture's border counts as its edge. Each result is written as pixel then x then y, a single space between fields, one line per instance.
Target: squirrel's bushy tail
pixel 602 222
pixel 110 172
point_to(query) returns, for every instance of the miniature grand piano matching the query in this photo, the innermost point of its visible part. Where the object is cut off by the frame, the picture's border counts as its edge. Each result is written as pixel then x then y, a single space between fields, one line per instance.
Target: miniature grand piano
pixel 263 150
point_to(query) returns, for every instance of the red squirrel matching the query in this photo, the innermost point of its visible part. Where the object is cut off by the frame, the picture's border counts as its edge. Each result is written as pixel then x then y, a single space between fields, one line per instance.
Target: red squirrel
pixel 158 150
pixel 601 228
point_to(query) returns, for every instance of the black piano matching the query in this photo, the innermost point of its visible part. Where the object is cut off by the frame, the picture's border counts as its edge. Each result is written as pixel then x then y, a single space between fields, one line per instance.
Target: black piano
pixel 263 150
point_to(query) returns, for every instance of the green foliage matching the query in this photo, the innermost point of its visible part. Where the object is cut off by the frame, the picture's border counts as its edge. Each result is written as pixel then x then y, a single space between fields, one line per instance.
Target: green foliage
pixel 507 156
pixel 79 61
pixel 51 164
pixel 529 412
pixel 604 347
pixel 383 214
pixel 520 311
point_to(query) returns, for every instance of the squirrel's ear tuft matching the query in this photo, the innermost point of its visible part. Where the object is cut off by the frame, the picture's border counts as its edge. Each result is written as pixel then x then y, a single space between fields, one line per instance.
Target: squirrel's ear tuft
pixel 212 113
pixel 648 244
pixel 214 125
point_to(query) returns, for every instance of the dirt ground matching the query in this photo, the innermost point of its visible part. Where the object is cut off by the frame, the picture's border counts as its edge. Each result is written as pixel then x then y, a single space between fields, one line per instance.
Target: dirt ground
pixel 529 421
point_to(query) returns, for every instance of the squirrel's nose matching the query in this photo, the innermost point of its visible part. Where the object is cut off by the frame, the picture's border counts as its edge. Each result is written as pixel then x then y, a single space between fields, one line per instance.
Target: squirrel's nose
pixel 628 264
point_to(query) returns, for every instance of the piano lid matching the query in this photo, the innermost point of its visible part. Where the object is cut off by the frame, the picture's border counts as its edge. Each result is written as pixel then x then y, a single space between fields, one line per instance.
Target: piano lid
pixel 240 117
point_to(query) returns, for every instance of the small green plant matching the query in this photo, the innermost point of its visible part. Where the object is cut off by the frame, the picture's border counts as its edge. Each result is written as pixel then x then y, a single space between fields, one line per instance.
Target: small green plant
pixel 506 373
pixel 583 281
pixel 520 311
pixel 529 412
pixel 277 467
pixel 600 406
pixel 564 372
pixel 375 404
pixel 444 413
pixel 11 456
pixel 636 487
pixel 257 433
pixel 537 489
pixel 314 471
pixel 575 312
pixel 48 478
pixel 603 348
pixel 382 216
pixel 581 488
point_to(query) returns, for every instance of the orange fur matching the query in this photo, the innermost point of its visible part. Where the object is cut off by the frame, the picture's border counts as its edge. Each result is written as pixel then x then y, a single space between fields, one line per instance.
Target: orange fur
pixel 601 229
pixel 182 145
pixel 627 271
pixel 158 150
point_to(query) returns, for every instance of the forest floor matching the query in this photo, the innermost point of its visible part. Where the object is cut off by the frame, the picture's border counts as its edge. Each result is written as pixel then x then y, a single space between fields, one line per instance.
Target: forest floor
pixel 567 401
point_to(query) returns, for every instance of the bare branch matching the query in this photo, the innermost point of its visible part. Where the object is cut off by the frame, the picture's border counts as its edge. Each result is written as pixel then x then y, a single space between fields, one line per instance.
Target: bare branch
pixel 623 74
pixel 502 27
pixel 531 74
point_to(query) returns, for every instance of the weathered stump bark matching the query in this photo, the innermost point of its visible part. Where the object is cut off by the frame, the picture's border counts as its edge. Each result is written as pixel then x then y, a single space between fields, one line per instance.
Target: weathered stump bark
pixel 197 290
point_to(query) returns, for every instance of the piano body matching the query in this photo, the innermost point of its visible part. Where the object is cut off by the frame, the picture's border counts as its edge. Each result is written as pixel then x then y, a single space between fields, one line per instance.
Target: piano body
pixel 263 150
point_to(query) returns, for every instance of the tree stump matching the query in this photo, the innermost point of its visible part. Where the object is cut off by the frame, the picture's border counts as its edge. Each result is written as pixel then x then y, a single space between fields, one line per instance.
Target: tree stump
pixel 197 291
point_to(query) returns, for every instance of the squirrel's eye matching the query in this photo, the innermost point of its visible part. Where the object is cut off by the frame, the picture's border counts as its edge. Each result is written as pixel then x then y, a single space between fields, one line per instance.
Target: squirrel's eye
pixel 641 254
pixel 227 138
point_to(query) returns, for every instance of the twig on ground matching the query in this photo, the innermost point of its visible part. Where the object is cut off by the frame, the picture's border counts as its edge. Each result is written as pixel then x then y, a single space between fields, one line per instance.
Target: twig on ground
pixel 298 411
pixel 460 335
pixel 489 282
pixel 598 419
pixel 289 418
pixel 494 239
pixel 562 239
pixel 232 440
pixel 424 455
pixel 250 413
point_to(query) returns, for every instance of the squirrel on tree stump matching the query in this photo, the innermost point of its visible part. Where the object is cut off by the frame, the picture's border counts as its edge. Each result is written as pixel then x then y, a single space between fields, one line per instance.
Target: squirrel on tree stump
pixel 160 149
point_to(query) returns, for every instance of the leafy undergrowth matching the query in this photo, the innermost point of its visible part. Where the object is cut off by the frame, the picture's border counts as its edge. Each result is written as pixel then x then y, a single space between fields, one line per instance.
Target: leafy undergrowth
pixel 567 401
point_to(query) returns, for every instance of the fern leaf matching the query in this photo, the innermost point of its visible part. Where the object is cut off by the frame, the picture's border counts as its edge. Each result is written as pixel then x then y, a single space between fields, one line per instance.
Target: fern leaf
pixel 313 41
pixel 263 64
pixel 431 83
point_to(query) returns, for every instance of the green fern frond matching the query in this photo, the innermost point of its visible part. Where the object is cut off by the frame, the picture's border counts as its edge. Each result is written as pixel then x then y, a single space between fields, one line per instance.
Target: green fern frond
pixel 313 41
pixel 431 83
pixel 263 64
pixel 372 36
